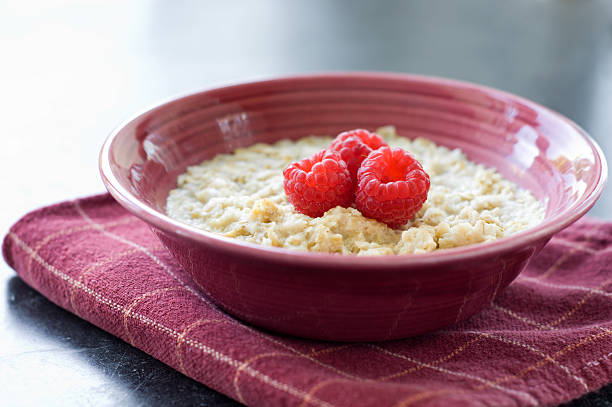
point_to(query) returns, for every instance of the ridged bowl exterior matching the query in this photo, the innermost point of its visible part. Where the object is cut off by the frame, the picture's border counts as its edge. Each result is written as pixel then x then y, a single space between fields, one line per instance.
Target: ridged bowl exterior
pixel 351 298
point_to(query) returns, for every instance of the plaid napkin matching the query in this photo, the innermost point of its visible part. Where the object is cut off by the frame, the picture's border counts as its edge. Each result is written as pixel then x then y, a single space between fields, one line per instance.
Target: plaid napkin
pixel 546 339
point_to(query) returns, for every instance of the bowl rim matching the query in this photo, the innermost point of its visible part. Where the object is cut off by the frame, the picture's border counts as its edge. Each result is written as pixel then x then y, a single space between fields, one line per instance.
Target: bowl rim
pixel 543 230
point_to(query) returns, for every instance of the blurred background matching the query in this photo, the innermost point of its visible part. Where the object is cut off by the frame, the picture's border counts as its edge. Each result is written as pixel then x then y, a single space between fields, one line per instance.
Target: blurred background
pixel 70 71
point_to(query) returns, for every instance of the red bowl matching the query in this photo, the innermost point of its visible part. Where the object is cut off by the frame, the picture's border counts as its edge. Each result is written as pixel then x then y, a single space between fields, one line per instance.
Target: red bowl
pixel 345 297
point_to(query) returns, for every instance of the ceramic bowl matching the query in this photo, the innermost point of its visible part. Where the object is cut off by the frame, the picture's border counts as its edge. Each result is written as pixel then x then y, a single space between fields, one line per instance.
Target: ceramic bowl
pixel 345 297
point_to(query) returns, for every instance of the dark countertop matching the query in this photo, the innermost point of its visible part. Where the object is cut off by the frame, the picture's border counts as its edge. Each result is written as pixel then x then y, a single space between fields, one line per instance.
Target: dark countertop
pixel 72 71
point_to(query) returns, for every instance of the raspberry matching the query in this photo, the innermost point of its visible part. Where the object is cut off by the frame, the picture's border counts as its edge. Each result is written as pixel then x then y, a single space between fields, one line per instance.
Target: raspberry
pixel 354 146
pixel 317 184
pixel 391 186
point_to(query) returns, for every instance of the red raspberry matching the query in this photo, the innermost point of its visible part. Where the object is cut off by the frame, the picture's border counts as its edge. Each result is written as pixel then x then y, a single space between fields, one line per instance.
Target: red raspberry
pixel 391 186
pixel 354 146
pixel 317 184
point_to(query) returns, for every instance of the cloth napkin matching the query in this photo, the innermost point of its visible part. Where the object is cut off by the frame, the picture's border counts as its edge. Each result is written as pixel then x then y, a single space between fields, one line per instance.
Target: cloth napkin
pixel 544 340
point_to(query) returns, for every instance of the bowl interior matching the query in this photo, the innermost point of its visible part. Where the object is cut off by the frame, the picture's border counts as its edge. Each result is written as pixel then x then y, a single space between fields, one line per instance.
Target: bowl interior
pixel 530 145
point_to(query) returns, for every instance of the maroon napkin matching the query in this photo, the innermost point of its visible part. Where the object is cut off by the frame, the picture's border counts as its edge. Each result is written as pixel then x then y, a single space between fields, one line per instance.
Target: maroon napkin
pixel 546 339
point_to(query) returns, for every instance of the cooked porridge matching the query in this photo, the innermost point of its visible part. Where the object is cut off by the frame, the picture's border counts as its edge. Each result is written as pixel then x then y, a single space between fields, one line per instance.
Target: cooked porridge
pixel 241 195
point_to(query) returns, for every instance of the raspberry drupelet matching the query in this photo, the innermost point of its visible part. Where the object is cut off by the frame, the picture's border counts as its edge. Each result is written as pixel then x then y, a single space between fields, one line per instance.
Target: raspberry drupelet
pixel 354 146
pixel 391 186
pixel 318 184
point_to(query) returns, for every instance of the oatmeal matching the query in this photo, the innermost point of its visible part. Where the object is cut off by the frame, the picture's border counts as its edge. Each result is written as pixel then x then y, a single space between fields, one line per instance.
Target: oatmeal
pixel 241 195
